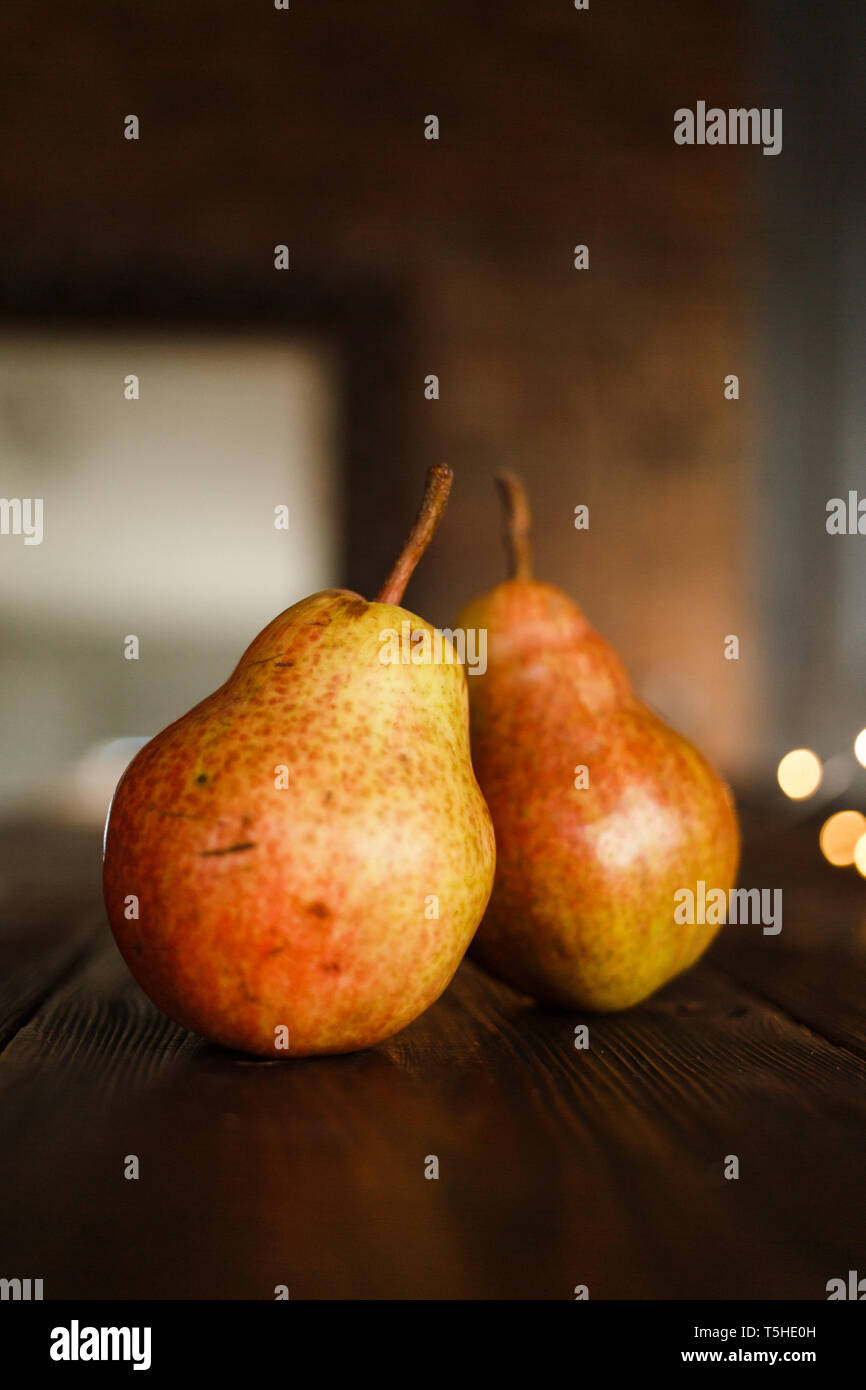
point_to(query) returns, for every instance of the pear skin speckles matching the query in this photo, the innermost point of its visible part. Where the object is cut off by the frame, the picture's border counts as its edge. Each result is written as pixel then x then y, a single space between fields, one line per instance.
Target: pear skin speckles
pixel 582 910
pixel 301 899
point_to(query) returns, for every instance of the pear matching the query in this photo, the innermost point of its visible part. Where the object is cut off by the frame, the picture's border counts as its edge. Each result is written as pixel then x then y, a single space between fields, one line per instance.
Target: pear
pixel 298 864
pixel 588 862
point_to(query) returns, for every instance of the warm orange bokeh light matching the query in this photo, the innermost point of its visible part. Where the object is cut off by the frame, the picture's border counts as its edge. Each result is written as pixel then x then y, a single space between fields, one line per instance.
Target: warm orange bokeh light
pixel 860 855
pixel 839 836
pixel 799 773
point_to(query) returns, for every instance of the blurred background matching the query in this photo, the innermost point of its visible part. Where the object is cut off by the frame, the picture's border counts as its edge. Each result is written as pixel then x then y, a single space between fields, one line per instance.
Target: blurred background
pixel 305 388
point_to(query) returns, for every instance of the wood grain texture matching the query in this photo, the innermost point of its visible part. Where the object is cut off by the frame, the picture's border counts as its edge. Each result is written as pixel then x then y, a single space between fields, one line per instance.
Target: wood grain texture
pixel 558 1167
pixel 49 920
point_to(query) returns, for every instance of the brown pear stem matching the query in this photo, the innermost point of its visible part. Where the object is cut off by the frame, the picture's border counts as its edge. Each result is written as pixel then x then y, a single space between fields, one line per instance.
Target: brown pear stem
pixel 436 491
pixel 518 521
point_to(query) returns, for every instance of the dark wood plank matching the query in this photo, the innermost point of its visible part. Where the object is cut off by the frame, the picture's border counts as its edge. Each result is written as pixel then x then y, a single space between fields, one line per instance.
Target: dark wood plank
pixel 558 1167
pixel 33 964
pixel 815 969
pixel 823 990
pixel 50 916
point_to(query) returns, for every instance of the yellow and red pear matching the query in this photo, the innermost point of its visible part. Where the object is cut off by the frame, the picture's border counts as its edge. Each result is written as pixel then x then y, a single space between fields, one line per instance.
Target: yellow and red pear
pixel 582 910
pixel 305 855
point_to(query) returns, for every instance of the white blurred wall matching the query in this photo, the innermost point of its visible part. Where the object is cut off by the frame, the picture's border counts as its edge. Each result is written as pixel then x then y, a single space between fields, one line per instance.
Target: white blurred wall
pixel 158 518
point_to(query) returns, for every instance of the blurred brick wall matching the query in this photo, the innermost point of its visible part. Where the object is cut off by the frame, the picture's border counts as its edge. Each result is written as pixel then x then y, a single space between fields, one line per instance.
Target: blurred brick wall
pixel 605 387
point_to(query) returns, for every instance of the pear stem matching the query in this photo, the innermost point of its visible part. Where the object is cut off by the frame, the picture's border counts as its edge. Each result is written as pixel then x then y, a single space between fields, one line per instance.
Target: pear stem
pixel 436 491
pixel 518 520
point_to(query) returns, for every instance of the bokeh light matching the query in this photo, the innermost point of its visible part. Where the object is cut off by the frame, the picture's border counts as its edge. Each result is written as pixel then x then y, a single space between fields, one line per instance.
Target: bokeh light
pixel 799 773
pixel 860 747
pixel 860 855
pixel 839 836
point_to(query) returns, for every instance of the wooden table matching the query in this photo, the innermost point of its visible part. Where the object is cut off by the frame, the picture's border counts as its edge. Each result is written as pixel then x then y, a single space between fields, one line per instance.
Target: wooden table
pixel 557 1167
